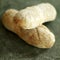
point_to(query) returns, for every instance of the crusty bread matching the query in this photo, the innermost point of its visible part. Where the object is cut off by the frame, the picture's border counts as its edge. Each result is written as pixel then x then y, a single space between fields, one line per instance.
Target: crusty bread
pixel 7 18
pixel 33 16
pixel 40 37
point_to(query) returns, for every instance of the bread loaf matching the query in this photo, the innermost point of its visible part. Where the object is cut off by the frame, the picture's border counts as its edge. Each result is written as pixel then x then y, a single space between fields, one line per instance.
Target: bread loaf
pixel 7 18
pixel 40 37
pixel 33 16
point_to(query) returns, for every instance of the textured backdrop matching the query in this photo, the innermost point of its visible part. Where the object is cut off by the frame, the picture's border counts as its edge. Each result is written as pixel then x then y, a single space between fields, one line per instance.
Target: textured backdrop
pixel 14 48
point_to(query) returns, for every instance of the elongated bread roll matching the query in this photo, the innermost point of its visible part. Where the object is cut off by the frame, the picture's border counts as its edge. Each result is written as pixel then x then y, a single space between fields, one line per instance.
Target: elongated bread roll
pixel 40 37
pixel 33 16
pixel 7 18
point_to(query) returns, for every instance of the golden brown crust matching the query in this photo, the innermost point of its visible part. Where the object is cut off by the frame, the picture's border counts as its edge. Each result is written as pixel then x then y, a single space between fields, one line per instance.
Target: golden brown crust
pixel 37 37
pixel 40 37
pixel 7 18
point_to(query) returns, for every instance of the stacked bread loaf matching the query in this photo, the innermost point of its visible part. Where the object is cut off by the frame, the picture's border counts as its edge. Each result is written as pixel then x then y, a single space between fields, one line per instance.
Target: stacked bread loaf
pixel 28 24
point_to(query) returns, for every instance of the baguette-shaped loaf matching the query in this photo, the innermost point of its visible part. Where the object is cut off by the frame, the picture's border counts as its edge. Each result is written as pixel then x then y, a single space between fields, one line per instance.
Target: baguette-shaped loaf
pixel 40 37
pixel 7 18
pixel 33 16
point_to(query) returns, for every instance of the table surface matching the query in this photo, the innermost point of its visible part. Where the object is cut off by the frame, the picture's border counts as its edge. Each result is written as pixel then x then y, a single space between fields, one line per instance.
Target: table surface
pixel 14 48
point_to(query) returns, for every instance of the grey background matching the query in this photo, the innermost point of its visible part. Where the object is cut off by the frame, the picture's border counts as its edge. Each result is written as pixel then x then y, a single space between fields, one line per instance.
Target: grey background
pixel 14 48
